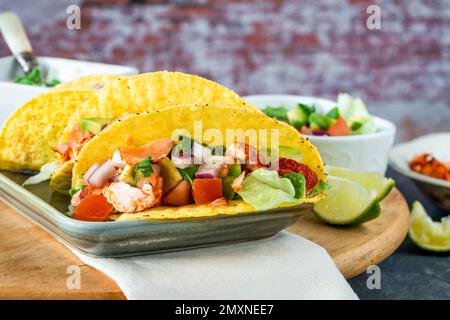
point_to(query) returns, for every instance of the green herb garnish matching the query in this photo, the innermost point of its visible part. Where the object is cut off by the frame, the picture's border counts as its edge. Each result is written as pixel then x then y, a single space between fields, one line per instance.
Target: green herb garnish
pixel 188 173
pixel 34 79
pixel 75 189
pixel 143 168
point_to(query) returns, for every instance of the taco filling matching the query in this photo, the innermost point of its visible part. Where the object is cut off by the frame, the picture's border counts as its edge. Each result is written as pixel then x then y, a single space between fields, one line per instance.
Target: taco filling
pixel 167 173
pixel 81 134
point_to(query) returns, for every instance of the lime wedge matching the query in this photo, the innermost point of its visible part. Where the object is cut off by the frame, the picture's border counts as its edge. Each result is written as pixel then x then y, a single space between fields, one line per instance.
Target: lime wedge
pixel 426 233
pixel 372 181
pixel 346 203
pixel 354 196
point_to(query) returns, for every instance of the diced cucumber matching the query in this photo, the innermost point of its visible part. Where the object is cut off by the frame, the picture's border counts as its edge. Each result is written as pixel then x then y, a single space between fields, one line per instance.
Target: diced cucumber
pixel 319 121
pixel 297 117
pixel 94 125
pixel 227 190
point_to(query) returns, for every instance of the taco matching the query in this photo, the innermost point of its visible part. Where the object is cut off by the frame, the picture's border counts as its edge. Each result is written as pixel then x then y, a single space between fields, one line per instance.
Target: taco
pixel 29 132
pixel 132 94
pixel 33 128
pixel 92 82
pixel 194 161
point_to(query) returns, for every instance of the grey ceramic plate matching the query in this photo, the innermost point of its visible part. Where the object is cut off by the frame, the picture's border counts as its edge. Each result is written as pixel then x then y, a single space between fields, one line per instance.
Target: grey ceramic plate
pixel 436 144
pixel 126 238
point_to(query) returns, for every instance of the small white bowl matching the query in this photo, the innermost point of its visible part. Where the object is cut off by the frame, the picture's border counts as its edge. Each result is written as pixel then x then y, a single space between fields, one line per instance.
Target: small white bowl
pixel 368 152
pixel 13 95
pixel 438 145
pixel 62 69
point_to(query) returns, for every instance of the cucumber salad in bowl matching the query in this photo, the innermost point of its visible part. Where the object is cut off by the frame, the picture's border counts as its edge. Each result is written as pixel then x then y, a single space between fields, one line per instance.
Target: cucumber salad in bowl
pixel 348 117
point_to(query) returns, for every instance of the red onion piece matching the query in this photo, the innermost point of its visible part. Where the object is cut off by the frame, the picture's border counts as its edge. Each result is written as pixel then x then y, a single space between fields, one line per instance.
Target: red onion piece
pixel 182 162
pixel 117 160
pixel 89 173
pixel 206 173
pixel 103 173
pixel 319 133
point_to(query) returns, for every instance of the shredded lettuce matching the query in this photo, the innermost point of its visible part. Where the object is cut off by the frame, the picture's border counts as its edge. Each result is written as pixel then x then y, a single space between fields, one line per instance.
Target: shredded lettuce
pixel 264 190
pixel 44 174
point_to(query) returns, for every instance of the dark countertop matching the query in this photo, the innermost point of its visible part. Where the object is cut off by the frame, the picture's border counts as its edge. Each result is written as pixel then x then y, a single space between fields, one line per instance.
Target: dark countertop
pixel 410 273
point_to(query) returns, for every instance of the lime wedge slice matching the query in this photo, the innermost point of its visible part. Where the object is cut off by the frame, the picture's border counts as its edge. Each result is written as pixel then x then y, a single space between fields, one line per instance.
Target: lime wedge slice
pixel 426 233
pixel 346 203
pixel 354 196
pixel 372 181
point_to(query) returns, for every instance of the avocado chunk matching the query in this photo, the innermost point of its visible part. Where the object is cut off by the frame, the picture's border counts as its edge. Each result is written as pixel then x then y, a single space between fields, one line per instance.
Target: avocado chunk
pixel 234 170
pixel 297 117
pixel 227 190
pixel 127 175
pixel 94 125
pixel 320 122
pixel 170 174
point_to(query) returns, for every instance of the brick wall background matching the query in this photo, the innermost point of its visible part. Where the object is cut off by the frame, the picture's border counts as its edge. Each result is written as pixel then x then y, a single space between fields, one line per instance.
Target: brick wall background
pixel 309 47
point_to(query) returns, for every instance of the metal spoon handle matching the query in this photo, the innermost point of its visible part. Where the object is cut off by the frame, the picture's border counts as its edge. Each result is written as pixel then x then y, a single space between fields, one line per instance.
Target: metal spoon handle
pixel 17 40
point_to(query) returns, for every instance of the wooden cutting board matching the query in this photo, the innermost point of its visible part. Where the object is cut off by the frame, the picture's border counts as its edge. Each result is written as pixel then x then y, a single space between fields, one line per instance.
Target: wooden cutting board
pixel 33 265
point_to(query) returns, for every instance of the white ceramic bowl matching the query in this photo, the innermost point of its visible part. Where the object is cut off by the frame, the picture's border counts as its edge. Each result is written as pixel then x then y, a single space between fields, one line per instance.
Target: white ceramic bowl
pixel 62 69
pixel 438 145
pixel 367 152
pixel 13 95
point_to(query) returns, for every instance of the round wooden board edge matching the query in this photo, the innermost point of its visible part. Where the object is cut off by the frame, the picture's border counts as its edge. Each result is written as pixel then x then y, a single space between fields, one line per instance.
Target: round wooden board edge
pixel 354 260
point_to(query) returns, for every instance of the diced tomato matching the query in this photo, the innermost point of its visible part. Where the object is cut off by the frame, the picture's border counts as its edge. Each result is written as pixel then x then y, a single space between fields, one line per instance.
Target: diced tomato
pixel 286 166
pixel 340 128
pixel 156 149
pixel 93 207
pixel 207 190
pixel 180 195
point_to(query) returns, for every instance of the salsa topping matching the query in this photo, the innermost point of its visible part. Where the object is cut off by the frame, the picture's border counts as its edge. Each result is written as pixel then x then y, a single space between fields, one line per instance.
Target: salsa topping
pixel 131 181
pixel 428 165
pixel 287 166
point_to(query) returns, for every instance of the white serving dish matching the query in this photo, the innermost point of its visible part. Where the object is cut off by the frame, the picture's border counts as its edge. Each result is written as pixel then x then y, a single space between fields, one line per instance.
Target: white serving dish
pixel 13 95
pixel 367 152
pixel 438 145
pixel 62 69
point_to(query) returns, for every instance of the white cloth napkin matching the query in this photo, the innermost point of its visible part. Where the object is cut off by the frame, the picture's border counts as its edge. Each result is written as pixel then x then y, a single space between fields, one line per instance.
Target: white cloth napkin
pixel 282 267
